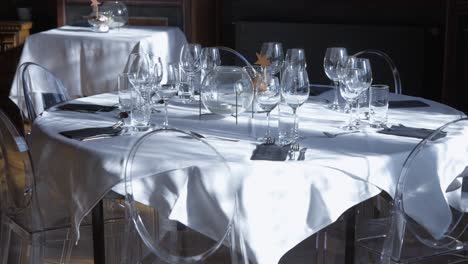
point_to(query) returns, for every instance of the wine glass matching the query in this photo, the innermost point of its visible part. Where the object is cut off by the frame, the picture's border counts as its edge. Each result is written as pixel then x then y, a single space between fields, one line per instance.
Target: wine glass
pixel 365 75
pixel 295 91
pixel 209 59
pixel 274 54
pixel 333 63
pixel 353 85
pixel 267 97
pixel 139 74
pixel 169 89
pixel 189 62
pixel 295 59
pixel 156 75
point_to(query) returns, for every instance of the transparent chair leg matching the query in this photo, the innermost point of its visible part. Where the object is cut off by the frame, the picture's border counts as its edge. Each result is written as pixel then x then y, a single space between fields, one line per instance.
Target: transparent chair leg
pixel 394 241
pixel 237 244
pixel 68 247
pixel 5 241
pixel 319 245
pixel 130 247
pixel 37 250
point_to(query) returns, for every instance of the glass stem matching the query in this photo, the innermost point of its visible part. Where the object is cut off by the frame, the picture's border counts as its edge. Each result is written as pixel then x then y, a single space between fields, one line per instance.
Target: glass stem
pixel 356 115
pixel 351 113
pixel 295 127
pixel 166 120
pixel 268 124
pixel 192 84
pixel 337 87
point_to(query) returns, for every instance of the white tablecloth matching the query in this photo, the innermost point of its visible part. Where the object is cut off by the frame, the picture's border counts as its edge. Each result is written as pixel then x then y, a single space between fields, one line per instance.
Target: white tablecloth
pixel 282 203
pixel 88 63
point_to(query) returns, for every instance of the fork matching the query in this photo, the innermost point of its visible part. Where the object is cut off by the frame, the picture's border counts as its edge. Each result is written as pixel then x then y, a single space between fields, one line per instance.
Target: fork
pixel 292 151
pixel 269 140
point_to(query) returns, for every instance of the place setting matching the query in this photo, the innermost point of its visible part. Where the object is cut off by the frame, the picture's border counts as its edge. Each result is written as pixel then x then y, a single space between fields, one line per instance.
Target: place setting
pixel 367 105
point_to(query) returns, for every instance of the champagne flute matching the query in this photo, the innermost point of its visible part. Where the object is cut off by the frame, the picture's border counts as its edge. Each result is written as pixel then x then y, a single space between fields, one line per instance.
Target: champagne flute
pixel 169 89
pixel 189 62
pixel 333 63
pixel 267 97
pixel 274 54
pixel 295 91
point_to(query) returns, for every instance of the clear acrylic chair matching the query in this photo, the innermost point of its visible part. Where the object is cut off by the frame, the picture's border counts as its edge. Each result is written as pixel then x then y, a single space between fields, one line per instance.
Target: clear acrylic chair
pixel 181 199
pixel 23 233
pixel 400 238
pixel 38 90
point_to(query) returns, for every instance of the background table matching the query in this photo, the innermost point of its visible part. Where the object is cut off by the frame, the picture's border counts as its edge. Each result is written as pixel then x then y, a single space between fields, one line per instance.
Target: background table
pixel 282 203
pixel 88 63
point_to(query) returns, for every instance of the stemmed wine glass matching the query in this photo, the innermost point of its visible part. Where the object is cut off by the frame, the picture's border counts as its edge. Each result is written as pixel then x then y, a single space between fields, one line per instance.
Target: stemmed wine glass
pixel 268 96
pixel 138 70
pixel 169 89
pixel 274 54
pixel 333 63
pixel 209 59
pixel 365 75
pixel 295 59
pixel 139 73
pixel 156 71
pixel 353 85
pixel 189 62
pixel 295 91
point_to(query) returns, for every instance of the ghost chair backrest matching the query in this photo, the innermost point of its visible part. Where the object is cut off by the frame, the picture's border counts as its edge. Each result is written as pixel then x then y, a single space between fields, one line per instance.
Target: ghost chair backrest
pixel 188 186
pixel 39 90
pixel 16 178
pixel 440 159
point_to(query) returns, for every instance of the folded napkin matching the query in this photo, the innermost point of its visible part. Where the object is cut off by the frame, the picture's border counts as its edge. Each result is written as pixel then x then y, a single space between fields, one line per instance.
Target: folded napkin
pixel 89 108
pixel 270 152
pixel 318 90
pixel 406 104
pixel 414 132
pixel 81 134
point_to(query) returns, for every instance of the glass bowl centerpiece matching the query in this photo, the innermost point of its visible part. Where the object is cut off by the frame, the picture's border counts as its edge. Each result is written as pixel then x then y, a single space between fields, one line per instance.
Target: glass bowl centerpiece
pixel 227 90
pixel 118 13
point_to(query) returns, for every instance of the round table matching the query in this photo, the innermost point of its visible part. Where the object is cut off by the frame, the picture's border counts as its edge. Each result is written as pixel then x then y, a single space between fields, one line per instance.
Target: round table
pixel 282 203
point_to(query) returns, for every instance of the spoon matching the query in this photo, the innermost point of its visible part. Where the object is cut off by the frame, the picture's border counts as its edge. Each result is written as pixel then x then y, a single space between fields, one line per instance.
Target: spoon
pixel 332 135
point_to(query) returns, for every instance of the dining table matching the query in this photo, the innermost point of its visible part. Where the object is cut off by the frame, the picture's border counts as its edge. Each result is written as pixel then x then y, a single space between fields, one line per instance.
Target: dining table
pixel 88 63
pixel 281 202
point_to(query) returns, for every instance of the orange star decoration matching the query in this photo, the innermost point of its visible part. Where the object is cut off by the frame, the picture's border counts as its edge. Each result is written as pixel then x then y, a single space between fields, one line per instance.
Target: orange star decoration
pixel 262 60
pixel 264 63
pixel 95 5
pixel 260 84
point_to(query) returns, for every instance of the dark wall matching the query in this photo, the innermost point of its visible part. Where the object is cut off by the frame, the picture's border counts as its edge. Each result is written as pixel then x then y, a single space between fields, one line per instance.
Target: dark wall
pixel 8 11
pixel 415 25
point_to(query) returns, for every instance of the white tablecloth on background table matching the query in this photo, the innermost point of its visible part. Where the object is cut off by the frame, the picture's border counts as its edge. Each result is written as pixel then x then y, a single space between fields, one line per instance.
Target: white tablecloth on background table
pixel 88 63
pixel 282 203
